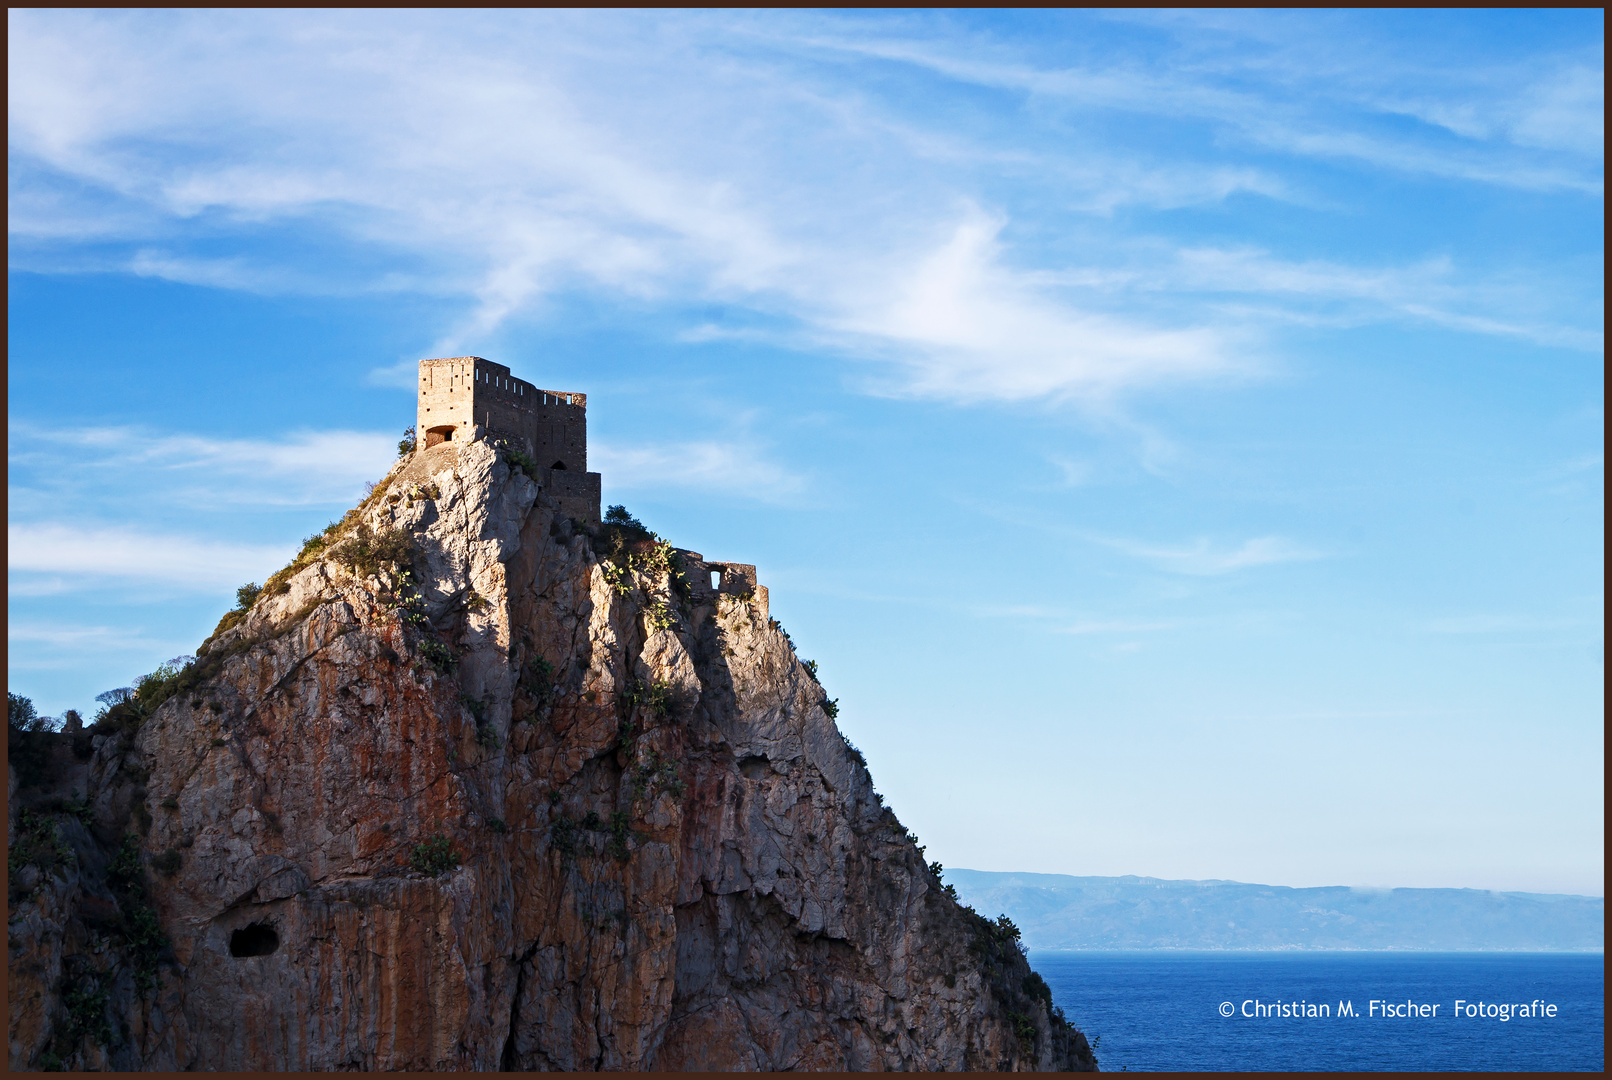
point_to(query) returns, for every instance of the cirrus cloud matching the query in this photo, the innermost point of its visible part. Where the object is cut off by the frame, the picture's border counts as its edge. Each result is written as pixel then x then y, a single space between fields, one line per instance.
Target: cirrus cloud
pixel 734 159
pixel 57 557
pixel 1206 558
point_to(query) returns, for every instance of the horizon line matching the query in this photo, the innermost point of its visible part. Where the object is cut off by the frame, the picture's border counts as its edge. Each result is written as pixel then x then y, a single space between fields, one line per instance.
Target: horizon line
pixel 1264 885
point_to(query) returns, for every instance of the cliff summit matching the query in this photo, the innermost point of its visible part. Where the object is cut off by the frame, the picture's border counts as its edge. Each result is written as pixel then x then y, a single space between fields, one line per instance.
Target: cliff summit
pixel 478 783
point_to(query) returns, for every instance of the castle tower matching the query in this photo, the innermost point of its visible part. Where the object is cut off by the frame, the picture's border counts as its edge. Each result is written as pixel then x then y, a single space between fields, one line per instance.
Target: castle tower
pixel 550 427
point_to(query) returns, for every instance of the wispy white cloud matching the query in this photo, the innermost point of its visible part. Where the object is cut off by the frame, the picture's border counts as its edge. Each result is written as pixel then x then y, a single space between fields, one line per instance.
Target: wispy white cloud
pixel 1431 291
pixel 963 326
pixel 80 557
pixel 715 157
pixel 1575 466
pixel 303 468
pixel 1499 624
pixel 1292 104
pixel 731 468
pixel 1072 473
pixel 1204 557
pixel 243 274
pixel 1269 288
pixel 1559 109
pixel 73 636
pixel 400 376
pixel 1116 626
pixel 1066 624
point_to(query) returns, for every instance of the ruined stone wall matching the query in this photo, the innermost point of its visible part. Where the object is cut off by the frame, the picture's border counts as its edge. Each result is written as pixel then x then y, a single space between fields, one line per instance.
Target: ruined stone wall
pixel 576 494
pixel 459 394
pixel 560 431
pixel 446 400
pixel 504 404
pixel 463 391
pixel 707 580
pixel 551 425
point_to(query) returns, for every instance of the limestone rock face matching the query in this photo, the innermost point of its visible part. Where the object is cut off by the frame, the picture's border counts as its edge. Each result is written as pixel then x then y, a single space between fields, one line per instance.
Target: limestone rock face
pixel 667 856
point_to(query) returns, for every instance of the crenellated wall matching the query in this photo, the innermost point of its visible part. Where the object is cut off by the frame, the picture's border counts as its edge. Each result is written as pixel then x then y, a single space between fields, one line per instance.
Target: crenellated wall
pixel 457 394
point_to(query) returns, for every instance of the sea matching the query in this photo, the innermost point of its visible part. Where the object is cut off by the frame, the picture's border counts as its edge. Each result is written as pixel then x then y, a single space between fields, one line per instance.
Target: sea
pixel 1334 1011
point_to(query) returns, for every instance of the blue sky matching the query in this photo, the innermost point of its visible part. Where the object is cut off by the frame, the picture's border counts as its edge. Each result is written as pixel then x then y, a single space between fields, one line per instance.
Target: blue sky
pixel 1178 437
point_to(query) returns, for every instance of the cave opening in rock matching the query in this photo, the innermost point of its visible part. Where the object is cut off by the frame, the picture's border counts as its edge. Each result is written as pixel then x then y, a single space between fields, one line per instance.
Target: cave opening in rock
pixel 259 939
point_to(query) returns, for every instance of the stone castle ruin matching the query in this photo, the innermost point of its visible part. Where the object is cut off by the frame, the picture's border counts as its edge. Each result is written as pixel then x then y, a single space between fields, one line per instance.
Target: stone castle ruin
pixel 463 398
pixel 460 394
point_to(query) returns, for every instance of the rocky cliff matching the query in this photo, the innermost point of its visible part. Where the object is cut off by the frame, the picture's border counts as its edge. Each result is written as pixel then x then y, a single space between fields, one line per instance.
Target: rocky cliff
pixel 468 787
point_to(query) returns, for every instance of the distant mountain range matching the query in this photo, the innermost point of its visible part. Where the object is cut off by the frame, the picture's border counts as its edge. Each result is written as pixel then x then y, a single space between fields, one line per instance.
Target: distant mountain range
pixel 1055 911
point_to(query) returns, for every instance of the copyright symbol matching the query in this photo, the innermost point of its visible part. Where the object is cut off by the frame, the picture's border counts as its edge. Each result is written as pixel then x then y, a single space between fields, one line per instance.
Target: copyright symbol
pixel 1226 1008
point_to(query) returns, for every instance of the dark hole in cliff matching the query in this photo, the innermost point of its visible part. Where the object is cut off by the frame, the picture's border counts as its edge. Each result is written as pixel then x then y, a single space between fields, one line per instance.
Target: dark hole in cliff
pixel 560 465
pixel 259 939
pixel 753 767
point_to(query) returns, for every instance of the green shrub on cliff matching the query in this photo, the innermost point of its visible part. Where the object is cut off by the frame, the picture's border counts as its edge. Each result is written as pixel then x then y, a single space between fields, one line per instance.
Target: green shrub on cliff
pixel 314 546
pixel 86 1002
pixel 1006 933
pixel 655 696
pixel 39 843
pixel 620 834
pixel 1024 1029
pixel 1035 986
pixel 537 680
pixel 245 597
pixel 368 551
pixel 145 939
pixel 438 656
pixel 563 834
pixel 126 708
pixel 518 459
pixel 435 856
pixel 995 943
pixel 28 739
pixel 657 773
pixel 141 932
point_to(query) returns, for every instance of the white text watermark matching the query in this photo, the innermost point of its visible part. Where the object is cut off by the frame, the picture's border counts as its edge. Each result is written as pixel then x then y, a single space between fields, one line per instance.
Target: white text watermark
pixel 1383 1009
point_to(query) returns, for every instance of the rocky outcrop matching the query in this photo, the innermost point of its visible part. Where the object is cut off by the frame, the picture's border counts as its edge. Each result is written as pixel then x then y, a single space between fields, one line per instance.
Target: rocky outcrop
pixel 488 800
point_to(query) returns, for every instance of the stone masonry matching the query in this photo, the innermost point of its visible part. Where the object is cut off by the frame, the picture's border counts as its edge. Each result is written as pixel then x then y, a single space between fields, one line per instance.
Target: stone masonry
pixel 459 394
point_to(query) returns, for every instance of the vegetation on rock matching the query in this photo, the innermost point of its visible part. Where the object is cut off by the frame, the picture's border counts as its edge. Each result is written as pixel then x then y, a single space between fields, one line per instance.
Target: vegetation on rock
pixel 683 803
pixel 435 856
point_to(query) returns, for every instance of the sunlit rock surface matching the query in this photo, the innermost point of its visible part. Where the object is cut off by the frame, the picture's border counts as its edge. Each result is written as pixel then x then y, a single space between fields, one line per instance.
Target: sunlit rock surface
pixel 669 858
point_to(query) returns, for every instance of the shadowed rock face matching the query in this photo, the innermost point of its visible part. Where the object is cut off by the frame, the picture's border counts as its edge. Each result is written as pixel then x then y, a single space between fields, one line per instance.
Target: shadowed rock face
pixel 668 856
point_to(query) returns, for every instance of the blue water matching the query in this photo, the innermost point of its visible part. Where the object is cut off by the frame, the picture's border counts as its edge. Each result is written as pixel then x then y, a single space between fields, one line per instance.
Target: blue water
pixel 1162 1011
